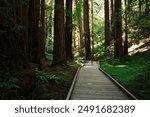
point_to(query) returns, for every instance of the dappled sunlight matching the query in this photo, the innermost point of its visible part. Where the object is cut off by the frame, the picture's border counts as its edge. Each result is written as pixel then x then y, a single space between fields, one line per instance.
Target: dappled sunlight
pixel 140 47
pixel 120 66
pixel 88 66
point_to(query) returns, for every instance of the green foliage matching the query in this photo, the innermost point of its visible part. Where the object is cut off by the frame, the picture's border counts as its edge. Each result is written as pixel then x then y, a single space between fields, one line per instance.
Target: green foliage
pixel 141 84
pixel 8 85
pixel 49 56
pixel 45 78
pixel 133 73
pixel 97 7
pixel 99 50
pixel 80 59
pixel 139 23
pixel 99 36
pixel 24 2
pixel 144 22
pixel 49 15
pixel 140 28
pixel 49 49
pixel 78 9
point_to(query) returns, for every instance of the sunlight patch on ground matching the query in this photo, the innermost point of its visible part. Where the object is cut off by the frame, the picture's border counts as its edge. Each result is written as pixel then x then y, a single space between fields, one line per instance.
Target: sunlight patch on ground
pixel 121 66
pixel 137 48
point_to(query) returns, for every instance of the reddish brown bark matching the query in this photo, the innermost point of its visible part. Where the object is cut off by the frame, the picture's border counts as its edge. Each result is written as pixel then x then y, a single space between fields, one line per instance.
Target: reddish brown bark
pixel 59 53
pixel 107 25
pixel 68 32
pixel 126 30
pixel 118 48
pixel 36 30
pixel 87 30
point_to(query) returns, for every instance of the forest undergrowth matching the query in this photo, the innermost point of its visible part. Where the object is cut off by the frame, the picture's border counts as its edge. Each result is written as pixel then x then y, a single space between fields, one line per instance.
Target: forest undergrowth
pixel 50 83
pixel 132 72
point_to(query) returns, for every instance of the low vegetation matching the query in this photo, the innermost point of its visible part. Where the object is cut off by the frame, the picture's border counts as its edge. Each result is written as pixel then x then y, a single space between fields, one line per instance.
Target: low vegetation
pixel 50 83
pixel 133 73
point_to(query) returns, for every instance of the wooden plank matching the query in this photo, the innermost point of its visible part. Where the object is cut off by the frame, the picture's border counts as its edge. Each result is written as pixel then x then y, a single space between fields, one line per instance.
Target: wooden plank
pixel 93 84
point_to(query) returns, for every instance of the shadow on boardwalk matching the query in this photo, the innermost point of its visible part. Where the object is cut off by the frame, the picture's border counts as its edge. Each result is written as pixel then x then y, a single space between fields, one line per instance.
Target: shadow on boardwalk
pixel 92 84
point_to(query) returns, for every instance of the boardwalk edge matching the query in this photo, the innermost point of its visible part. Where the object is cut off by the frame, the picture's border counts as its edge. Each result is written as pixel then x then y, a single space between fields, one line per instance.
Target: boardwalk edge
pixel 73 83
pixel 119 85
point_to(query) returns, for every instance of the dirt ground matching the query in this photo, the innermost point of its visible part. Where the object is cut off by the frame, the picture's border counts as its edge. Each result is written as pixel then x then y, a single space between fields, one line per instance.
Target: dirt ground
pixel 26 86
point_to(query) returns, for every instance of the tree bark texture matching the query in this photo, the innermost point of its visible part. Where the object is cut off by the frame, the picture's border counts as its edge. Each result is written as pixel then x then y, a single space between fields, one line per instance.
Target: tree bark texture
pixel 69 54
pixel 13 35
pixel 112 27
pixel 92 23
pixel 87 30
pixel 36 30
pixel 107 25
pixel 126 30
pixel 118 48
pixel 80 26
pixel 59 53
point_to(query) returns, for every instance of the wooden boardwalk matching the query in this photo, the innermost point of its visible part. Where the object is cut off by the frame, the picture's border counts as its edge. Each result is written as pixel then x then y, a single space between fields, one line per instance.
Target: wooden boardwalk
pixel 92 84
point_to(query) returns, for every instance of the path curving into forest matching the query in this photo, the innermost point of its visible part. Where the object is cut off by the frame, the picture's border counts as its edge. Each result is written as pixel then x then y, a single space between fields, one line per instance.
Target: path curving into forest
pixel 92 84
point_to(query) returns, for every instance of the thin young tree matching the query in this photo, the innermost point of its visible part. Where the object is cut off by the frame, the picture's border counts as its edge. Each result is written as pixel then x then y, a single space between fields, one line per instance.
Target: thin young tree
pixel 126 30
pixel 41 31
pixel 107 25
pixel 112 28
pixel 147 7
pixel 78 4
pixel 140 7
pixel 92 25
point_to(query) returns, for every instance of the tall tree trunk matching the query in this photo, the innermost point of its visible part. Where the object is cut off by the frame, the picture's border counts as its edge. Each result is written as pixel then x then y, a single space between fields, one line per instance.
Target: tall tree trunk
pixel 68 32
pixel 87 30
pixel 13 36
pixel 17 35
pixel 126 29
pixel 107 25
pixel 80 27
pixel 41 30
pixel 49 19
pixel 33 26
pixel 36 30
pixel 112 21
pixel 147 6
pixel 59 53
pixel 92 25
pixel 140 7
pixel 118 49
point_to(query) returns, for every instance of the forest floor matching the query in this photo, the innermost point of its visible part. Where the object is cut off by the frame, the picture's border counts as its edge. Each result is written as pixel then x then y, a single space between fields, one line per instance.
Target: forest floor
pixel 132 72
pixel 50 83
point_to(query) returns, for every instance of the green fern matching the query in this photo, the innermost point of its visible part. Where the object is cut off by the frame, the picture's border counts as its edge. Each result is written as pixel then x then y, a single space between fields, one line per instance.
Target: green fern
pixel 45 78
pixel 8 85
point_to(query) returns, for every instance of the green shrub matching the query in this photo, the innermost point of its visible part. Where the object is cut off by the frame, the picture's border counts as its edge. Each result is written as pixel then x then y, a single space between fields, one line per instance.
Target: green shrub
pixel 45 78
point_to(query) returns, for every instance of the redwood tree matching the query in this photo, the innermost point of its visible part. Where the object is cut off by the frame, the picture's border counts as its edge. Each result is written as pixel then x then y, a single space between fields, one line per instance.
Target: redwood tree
pixel 87 30
pixel 92 27
pixel 80 26
pixel 112 28
pixel 107 25
pixel 36 30
pixel 22 37
pixel 13 26
pixel 68 32
pixel 118 48
pixel 41 30
pixel 59 53
pixel 126 30
pixel 147 7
